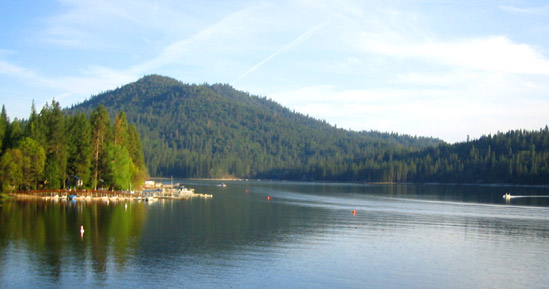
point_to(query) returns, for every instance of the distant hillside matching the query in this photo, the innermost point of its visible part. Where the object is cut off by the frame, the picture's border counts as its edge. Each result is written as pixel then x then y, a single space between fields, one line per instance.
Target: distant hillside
pixel 217 131
pixel 514 157
pixel 214 131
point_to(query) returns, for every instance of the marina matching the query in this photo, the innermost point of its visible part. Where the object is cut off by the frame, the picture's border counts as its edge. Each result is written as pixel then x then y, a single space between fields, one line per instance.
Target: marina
pixel 151 192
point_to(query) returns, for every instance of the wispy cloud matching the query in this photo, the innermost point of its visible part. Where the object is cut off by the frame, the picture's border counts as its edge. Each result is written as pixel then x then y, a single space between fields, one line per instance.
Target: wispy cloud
pixel 374 65
pixel 189 47
pixel 285 48
pixel 529 10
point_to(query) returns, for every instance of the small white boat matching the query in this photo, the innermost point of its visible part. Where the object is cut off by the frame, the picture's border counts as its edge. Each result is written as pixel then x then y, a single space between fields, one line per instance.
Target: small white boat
pixel 507 196
pixel 222 185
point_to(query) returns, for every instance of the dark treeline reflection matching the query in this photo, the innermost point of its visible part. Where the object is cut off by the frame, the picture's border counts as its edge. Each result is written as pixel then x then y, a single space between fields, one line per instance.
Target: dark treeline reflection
pixel 239 237
pixel 232 221
pixel 50 234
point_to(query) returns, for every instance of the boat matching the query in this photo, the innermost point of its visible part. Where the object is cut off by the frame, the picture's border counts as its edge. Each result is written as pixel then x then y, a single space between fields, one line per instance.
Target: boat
pixel 507 196
pixel 222 185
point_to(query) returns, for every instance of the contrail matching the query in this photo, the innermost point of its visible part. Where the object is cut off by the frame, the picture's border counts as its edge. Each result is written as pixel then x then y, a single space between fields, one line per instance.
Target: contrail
pixel 288 46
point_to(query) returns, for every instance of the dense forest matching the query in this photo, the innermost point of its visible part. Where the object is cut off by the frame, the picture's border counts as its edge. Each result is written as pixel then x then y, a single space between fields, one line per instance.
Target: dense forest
pixel 215 131
pixel 53 150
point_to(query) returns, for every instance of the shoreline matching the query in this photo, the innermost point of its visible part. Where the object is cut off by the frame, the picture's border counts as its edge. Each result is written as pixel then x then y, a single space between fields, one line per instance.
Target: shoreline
pixel 107 196
pixel 362 183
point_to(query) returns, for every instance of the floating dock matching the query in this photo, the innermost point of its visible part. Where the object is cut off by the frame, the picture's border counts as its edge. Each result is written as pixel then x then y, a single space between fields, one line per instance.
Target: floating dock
pixel 102 195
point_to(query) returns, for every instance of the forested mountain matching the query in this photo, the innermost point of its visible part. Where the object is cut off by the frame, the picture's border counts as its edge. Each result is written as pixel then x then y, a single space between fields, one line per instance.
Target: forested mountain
pixel 514 157
pixel 212 131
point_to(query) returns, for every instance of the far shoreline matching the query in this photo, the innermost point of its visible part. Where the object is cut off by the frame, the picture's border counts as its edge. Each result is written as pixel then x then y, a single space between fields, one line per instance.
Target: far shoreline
pixel 358 183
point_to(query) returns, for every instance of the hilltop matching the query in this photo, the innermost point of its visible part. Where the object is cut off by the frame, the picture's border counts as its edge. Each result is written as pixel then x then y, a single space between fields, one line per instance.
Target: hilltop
pixel 216 131
pixel 212 131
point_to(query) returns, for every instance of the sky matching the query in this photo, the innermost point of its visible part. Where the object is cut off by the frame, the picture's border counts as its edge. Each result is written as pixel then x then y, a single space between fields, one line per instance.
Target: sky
pixel 446 69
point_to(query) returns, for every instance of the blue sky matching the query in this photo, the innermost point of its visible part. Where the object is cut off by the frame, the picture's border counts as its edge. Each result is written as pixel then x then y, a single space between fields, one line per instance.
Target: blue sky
pixel 446 69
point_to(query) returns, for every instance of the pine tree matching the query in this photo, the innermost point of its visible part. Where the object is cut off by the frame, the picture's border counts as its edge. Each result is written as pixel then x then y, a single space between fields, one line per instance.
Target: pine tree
pixel 35 127
pixel 33 162
pixel 79 163
pixel 4 128
pixel 121 129
pixel 119 169
pixel 55 146
pixel 101 135
pixel 135 150
pixel 14 134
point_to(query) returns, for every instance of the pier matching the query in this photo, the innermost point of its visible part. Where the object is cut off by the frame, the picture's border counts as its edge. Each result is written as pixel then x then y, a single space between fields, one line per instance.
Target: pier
pixel 91 195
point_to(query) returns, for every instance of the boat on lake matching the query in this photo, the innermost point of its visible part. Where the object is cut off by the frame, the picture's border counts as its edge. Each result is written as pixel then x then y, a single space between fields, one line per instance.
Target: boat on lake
pixel 507 196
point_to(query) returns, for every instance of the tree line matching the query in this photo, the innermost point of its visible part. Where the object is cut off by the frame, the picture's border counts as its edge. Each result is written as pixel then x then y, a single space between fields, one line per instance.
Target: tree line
pixel 214 131
pixel 54 150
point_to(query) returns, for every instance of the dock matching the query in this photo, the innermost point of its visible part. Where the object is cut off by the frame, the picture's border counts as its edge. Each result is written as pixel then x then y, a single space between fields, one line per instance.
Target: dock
pixel 106 195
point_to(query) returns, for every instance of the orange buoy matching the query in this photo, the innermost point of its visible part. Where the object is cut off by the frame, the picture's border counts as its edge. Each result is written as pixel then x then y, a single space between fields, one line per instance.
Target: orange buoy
pixel 246 191
pixel 354 212
pixel 268 197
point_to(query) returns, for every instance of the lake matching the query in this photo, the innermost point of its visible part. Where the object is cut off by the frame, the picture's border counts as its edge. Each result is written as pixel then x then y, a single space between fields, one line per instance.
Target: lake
pixel 305 235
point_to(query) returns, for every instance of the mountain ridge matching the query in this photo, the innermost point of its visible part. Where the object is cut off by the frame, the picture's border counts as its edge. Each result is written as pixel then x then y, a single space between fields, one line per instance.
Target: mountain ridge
pixel 218 112
pixel 216 131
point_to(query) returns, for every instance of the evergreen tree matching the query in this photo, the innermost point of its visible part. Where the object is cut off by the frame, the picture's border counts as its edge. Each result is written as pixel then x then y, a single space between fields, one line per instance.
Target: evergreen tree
pixel 79 163
pixel 121 129
pixel 120 174
pixel 4 128
pixel 55 146
pixel 35 127
pixel 135 150
pixel 32 162
pixel 101 136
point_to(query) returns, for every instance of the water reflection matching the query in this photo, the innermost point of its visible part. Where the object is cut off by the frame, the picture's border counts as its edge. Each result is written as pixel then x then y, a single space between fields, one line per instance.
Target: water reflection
pixel 303 230
pixel 49 232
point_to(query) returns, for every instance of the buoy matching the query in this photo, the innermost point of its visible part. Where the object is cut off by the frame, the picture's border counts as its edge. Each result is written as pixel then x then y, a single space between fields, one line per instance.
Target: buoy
pixel 246 191
pixel 268 197
pixel 125 206
pixel 81 229
pixel 354 212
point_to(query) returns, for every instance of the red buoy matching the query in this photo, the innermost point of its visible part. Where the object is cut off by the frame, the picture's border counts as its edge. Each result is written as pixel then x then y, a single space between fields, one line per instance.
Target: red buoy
pixel 246 191
pixel 268 197
pixel 354 212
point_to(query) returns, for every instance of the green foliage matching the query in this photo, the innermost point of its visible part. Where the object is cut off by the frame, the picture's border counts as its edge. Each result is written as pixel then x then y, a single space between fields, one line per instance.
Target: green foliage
pixel 4 125
pixel 516 157
pixel 32 163
pixel 79 149
pixel 55 145
pixel 212 131
pixel 120 166
pixel 54 150
pixel 11 175
pixel 101 136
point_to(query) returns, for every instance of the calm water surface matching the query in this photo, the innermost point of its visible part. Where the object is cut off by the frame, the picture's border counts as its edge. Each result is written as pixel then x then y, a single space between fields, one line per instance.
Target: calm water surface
pixel 305 236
